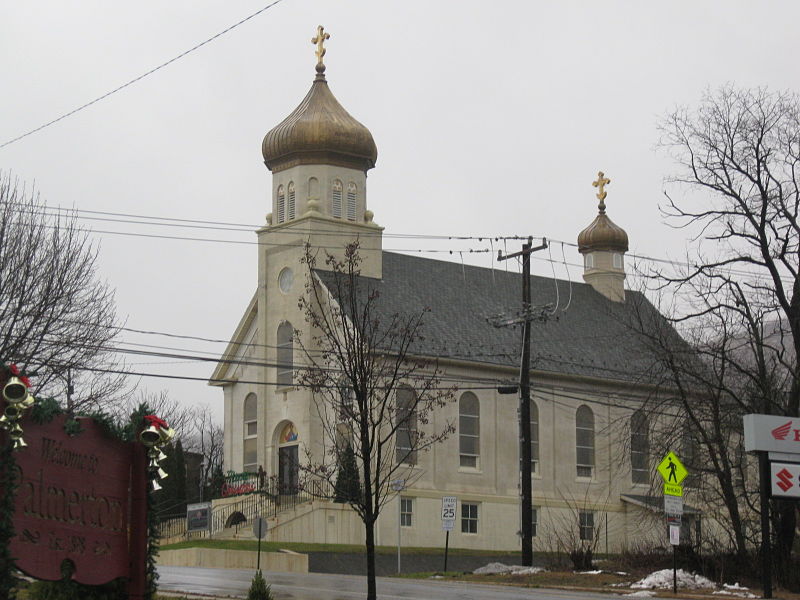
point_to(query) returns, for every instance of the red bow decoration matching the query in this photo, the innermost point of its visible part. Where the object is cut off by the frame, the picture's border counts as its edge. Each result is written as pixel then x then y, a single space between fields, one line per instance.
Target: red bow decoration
pixel 15 372
pixel 156 421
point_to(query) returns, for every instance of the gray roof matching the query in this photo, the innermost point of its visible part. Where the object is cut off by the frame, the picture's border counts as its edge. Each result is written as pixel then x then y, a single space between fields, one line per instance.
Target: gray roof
pixel 587 333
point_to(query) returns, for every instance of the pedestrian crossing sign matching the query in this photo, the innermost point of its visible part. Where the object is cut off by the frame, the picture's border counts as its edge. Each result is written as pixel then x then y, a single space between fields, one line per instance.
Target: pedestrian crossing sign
pixel 672 469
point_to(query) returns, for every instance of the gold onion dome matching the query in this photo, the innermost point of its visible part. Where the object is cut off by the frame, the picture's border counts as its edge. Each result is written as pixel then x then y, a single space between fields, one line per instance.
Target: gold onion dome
pixel 602 233
pixel 319 131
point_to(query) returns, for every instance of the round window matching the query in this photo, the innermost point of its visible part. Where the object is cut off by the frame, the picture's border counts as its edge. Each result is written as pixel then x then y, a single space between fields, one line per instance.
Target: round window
pixel 285 280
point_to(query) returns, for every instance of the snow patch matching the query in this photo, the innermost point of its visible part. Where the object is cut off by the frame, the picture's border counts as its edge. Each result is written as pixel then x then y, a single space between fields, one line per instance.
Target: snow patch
pixel 589 572
pixel 734 589
pixel 642 594
pixel 497 568
pixel 662 580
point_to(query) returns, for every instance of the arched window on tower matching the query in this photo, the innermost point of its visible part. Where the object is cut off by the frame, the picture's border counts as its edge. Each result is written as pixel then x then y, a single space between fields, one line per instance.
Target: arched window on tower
pixel 281 205
pixel 250 445
pixel 351 201
pixel 336 199
pixel 640 448
pixel 405 426
pixel 584 441
pixel 290 212
pixel 469 430
pixel 285 369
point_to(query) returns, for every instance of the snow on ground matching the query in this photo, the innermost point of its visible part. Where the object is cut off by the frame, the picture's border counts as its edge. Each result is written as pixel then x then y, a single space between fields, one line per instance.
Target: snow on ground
pixel 642 594
pixel 497 568
pixel 589 572
pixel 734 590
pixel 662 580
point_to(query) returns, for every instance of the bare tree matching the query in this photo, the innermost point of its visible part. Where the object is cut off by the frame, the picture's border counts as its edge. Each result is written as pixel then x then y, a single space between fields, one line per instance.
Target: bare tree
pixel 373 395
pixel 739 295
pixel 57 318
pixel 207 439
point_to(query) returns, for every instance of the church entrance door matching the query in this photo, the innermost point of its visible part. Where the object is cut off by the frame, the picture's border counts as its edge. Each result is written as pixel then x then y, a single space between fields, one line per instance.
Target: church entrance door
pixel 288 470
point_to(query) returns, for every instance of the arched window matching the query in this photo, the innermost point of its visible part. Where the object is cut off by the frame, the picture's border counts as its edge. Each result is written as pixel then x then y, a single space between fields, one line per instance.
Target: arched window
pixel 250 418
pixel 640 447
pixel 584 441
pixel 285 354
pixel 469 430
pixel 346 401
pixel 351 201
pixel 588 261
pixel 336 199
pixel 290 204
pixel 405 426
pixel 617 260
pixel 281 205
pixel 534 437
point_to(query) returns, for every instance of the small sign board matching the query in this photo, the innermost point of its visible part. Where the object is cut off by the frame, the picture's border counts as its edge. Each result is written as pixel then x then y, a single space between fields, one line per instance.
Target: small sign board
pixel 198 516
pixel 675 535
pixel 259 527
pixel 672 469
pixel 670 489
pixel 398 485
pixel 784 480
pixel 673 505
pixel 448 525
pixel 449 508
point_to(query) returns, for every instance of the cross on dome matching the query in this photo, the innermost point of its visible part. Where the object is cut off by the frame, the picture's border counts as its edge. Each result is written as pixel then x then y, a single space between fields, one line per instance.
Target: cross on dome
pixel 319 40
pixel 601 182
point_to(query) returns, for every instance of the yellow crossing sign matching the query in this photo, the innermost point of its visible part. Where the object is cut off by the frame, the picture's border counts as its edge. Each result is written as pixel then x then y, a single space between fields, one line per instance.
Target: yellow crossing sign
pixel 672 470
pixel 670 489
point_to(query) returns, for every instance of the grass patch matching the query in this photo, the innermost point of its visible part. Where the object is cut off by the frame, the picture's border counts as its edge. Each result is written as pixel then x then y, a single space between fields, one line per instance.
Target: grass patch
pixel 252 545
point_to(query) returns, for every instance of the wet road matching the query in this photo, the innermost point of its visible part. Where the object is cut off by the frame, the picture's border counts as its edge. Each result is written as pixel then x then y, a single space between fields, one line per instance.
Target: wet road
pixel 323 586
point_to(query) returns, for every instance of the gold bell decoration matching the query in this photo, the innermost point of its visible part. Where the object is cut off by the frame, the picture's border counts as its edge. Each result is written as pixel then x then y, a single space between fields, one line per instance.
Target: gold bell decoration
pixel 18 399
pixel 154 436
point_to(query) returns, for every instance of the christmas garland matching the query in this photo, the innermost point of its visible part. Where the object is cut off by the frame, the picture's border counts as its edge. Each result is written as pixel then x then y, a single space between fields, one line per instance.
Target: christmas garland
pixel 44 411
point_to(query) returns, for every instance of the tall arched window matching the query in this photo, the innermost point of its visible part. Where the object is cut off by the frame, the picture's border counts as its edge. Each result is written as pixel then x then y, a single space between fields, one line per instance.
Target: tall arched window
pixel 351 201
pixel 406 426
pixel 640 447
pixel 250 446
pixel 285 354
pixel 469 430
pixel 336 199
pixel 281 205
pixel 290 204
pixel 584 441
pixel 534 437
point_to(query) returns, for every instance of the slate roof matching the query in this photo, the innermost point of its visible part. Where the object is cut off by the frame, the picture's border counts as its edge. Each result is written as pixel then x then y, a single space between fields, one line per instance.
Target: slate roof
pixel 587 335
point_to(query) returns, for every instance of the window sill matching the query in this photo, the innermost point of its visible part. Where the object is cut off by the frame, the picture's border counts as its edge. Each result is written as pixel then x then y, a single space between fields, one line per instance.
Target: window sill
pixel 470 470
pixel 584 479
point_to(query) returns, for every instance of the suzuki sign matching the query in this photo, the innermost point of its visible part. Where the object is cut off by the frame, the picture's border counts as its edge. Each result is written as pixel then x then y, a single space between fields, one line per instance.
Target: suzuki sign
pixel 770 433
pixel 784 480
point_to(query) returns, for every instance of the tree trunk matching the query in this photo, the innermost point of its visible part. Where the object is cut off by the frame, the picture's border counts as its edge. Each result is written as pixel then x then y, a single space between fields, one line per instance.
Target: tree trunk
pixel 369 528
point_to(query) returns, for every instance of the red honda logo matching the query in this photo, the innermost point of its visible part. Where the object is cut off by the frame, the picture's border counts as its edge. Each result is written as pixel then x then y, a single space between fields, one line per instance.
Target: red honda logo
pixel 785 479
pixel 780 433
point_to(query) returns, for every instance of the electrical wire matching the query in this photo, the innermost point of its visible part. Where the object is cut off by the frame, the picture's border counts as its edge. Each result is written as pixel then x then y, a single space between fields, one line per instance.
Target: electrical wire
pixel 140 77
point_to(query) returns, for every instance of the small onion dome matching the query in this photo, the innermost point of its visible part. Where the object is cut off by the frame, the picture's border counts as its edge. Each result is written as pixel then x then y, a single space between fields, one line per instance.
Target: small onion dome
pixel 602 234
pixel 319 131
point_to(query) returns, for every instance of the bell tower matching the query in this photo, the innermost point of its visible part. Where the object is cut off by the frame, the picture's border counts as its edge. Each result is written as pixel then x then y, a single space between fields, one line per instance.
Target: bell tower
pixel 603 245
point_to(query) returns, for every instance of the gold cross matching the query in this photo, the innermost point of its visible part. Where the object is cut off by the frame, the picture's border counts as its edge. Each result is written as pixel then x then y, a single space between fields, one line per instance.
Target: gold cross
pixel 319 40
pixel 601 182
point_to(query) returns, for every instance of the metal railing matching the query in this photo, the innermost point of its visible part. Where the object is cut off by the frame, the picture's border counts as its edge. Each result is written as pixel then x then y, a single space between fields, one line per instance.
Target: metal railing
pixel 268 501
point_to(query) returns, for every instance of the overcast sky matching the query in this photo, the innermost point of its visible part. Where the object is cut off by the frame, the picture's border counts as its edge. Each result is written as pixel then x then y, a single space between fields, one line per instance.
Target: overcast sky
pixel 491 119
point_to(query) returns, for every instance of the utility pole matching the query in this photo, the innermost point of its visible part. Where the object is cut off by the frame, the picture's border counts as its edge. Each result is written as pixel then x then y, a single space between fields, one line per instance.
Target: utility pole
pixel 526 491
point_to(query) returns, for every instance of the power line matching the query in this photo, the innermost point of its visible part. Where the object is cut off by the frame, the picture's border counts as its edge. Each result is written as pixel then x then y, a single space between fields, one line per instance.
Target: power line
pixel 140 77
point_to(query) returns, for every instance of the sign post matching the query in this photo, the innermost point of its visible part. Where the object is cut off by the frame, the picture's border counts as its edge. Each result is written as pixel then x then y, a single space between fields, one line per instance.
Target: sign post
pixel 259 530
pixel 448 521
pixel 673 473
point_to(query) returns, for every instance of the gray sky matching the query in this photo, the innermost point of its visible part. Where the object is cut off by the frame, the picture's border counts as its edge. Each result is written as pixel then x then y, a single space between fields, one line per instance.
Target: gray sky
pixel 491 119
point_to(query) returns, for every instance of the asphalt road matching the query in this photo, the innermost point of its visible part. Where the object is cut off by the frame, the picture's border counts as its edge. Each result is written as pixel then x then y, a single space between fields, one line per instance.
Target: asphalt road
pixel 324 586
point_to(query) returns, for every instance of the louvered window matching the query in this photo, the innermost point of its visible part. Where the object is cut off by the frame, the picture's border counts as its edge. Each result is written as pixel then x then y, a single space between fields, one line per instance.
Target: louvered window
pixel 281 205
pixel 290 204
pixel 285 367
pixel 406 426
pixel 250 418
pixel 534 437
pixel 351 201
pixel 336 199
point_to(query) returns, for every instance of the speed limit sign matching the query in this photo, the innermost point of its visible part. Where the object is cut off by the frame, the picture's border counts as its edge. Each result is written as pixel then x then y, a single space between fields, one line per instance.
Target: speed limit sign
pixel 449 508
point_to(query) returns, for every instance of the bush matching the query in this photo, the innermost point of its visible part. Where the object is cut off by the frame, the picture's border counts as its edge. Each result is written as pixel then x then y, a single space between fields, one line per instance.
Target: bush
pixel 72 590
pixel 259 590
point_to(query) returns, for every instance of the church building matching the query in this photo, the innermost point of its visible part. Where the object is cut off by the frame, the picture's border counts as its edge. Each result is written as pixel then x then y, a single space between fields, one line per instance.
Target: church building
pixel 590 452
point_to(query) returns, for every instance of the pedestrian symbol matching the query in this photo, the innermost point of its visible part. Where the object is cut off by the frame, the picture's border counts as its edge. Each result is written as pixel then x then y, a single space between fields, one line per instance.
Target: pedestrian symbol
pixel 672 469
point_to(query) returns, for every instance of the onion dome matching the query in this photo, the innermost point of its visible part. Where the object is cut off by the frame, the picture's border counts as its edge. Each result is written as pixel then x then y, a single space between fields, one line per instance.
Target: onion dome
pixel 602 233
pixel 319 131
